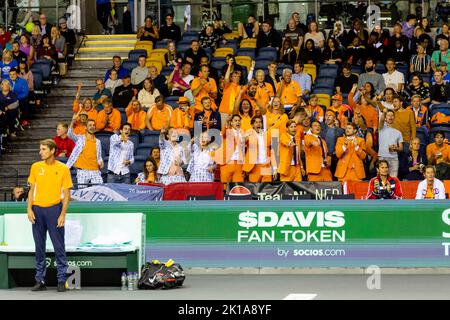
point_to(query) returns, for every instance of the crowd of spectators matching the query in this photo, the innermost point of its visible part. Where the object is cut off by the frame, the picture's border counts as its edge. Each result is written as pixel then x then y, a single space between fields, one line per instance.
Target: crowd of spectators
pixel 385 106
pixel 19 53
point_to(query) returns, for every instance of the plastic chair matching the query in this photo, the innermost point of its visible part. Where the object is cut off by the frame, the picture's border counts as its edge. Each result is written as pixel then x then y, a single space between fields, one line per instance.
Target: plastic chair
pixel 218 63
pixel 134 55
pixel 250 52
pixel 310 69
pixel 129 65
pixel 223 52
pixel 150 137
pixel 248 43
pixel 154 63
pixel 268 53
pixel 244 61
pixel 326 82
pixel 323 99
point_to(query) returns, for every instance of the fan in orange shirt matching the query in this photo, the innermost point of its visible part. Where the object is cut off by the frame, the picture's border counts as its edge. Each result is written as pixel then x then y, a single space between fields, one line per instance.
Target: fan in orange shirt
pixel 135 115
pixel 274 117
pixel 290 165
pixel 316 153
pixel 244 108
pixel 158 115
pixel 109 119
pixel 289 91
pixel 230 92
pixel 264 90
pixel 313 108
pixel 343 111
pixel 204 86
pixel 369 112
pixel 81 120
pixel 183 116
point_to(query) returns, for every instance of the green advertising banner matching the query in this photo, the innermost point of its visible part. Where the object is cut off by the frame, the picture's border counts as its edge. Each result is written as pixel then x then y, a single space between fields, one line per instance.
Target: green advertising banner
pixel 300 234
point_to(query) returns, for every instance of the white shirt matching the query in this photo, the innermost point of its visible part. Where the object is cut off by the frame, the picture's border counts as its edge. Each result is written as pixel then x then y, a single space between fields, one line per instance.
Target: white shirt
pixel 236 153
pixel 393 80
pixel 438 187
pixel 262 151
pixel 122 169
pixel 296 152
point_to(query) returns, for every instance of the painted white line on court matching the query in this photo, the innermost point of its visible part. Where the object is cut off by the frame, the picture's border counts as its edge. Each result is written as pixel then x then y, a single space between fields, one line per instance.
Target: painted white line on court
pixel 300 296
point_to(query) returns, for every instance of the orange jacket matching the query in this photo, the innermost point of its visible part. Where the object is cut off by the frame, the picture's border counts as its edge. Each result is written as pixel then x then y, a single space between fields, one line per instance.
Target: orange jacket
pixel 287 152
pixel 251 156
pixel 313 154
pixel 230 141
pixel 114 121
pixel 350 158
pixel 369 113
pixel 179 119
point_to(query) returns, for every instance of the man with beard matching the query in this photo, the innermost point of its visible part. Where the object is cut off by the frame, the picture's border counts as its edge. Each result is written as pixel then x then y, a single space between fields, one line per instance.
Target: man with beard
pixel 86 157
pixel 371 76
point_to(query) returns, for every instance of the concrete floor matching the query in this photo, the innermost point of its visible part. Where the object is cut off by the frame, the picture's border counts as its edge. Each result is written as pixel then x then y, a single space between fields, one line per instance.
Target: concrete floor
pixel 267 287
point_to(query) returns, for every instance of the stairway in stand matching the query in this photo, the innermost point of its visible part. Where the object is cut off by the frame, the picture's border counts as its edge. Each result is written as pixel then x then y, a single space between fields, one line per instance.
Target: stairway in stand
pixel 91 63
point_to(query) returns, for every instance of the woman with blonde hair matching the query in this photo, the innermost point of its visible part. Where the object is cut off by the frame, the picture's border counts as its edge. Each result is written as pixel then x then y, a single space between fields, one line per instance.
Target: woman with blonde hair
pixel 9 109
pixel 274 116
pixel 59 42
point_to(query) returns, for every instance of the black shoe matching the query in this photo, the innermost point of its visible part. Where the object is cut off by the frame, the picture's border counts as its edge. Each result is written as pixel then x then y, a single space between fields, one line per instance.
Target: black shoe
pixel 39 286
pixel 61 287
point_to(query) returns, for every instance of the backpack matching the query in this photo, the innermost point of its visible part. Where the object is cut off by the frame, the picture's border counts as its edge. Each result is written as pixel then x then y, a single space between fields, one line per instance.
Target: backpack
pixel 155 275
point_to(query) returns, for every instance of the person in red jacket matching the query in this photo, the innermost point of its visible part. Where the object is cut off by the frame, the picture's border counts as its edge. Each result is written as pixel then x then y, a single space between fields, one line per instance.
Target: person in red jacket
pixel 64 145
pixel 383 186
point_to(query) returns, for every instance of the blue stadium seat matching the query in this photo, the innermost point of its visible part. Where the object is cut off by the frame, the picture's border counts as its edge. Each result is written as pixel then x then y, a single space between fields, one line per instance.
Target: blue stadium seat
pixel 189 36
pixel 161 44
pixel 440 128
pixel 325 82
pixel 144 149
pixel 209 53
pixel 105 140
pixel 262 63
pixel 138 165
pixel 357 69
pixel 123 117
pixel 404 70
pixel 166 71
pixel 283 66
pixel 129 65
pixel 134 55
pixel 150 137
pixel 135 139
pixel 172 103
pixel 218 63
pixel 182 48
pixel 325 90
pixel 249 52
pixel 230 44
pixel 422 134
pixel 380 68
pixel 426 77
pixel 267 55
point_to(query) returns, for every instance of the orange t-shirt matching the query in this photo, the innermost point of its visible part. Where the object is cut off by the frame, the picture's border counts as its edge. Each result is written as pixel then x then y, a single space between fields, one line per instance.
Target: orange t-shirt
pixel 433 148
pixel 264 93
pixel 92 114
pixel 207 88
pixel 88 157
pixel 290 93
pixel 79 129
pixel 315 112
pixel 114 121
pixel 159 118
pixel 230 93
pixel 179 119
pixel 245 123
pixel 276 121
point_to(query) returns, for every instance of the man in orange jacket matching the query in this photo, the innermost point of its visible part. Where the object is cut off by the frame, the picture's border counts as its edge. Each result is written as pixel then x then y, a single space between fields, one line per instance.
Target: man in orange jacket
pixel 351 151
pixel 258 158
pixel 317 160
pixel 290 167
pixel 109 119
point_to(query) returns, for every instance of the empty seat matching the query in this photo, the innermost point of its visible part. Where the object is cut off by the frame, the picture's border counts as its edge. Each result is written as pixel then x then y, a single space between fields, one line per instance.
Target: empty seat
pixel 250 52
pixel 105 141
pixel 189 36
pixel 310 69
pixel 144 149
pixel 223 52
pixel 327 91
pixel 161 44
pixel 248 43
pixel 150 137
pixel 134 55
pixel 268 53
pixel 218 63
pixel 325 82
pixel 129 65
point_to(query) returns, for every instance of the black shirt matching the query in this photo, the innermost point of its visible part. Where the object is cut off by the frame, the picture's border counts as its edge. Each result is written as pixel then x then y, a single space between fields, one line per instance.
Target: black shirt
pixel 20 57
pixel 122 96
pixel 345 83
pixel 148 38
pixel 195 56
pixel 172 32
pixel 440 92
pixel 272 39
pixel 70 36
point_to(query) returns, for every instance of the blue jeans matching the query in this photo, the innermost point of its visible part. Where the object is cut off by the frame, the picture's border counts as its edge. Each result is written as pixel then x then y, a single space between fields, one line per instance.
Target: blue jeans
pixel 46 219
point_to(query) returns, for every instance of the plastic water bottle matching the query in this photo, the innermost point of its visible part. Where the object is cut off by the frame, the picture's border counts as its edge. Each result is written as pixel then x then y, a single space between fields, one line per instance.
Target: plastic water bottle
pixel 130 281
pixel 136 280
pixel 123 279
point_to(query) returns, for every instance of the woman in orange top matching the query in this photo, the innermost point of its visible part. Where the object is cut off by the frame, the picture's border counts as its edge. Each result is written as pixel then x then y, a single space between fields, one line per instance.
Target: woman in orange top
pixel 274 116
pixel 231 91
pixel 264 91
pixel 244 108
pixel 369 112
pixel 148 175
pixel 135 115
pixel 86 106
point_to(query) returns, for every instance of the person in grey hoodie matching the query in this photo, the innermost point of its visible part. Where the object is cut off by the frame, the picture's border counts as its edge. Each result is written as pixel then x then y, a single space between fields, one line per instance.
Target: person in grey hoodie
pixel 140 73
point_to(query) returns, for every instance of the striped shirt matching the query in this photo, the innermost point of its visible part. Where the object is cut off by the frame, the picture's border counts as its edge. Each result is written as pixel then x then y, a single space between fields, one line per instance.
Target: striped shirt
pixel 119 152
pixel 420 63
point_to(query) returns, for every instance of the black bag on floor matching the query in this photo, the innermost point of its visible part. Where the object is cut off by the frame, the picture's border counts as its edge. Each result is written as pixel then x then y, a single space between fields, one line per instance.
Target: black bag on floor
pixel 155 275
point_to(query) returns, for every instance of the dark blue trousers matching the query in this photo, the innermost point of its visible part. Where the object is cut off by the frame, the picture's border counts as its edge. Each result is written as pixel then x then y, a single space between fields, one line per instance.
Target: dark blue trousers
pixel 46 219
